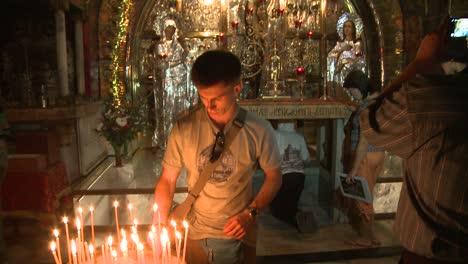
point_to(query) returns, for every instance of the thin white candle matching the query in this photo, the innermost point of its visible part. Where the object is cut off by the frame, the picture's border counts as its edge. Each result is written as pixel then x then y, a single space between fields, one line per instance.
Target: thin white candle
pixel 86 249
pixel 52 248
pixel 130 208
pixel 116 204
pixel 91 252
pixel 78 229
pixel 80 212
pixel 178 244
pixel 103 253
pixel 163 244
pixel 153 247
pixel 124 247
pixel 155 208
pixel 65 221
pixel 174 225
pixel 141 254
pixel 185 224
pixel 73 249
pixel 114 256
pixel 110 240
pixel 56 234
pixel 91 210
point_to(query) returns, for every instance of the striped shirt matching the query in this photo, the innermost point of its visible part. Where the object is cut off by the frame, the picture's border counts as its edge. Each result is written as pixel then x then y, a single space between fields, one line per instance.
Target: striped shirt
pixel 426 124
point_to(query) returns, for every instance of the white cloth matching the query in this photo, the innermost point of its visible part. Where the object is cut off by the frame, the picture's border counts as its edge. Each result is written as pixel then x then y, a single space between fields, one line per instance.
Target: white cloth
pixel 293 149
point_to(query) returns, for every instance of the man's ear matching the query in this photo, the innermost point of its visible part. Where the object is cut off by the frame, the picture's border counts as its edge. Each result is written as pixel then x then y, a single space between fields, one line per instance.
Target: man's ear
pixel 238 88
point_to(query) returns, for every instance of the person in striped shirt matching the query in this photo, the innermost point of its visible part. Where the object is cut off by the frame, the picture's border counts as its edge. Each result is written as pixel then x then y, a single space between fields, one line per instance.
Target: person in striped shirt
pixel 423 118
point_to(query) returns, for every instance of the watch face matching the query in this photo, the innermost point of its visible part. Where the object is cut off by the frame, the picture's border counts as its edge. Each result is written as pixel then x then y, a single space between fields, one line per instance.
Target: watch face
pixel 253 211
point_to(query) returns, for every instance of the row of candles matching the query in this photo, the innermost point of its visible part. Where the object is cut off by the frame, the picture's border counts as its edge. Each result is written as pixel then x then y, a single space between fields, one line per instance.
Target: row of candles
pixel 79 252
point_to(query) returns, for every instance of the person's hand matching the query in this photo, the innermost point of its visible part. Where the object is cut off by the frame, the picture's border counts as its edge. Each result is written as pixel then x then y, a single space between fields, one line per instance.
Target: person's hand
pixel 238 225
pixel 350 177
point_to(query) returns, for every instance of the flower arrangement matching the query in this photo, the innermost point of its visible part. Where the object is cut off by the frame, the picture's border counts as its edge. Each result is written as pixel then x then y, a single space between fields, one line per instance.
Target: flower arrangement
pixel 121 122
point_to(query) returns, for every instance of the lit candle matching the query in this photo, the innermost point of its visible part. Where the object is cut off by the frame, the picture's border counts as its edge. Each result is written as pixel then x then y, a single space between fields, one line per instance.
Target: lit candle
pixel 155 208
pixel 174 225
pixel 73 249
pixel 116 204
pixel 124 247
pixel 185 224
pixel 103 253
pixel 65 221
pixel 178 244
pixel 235 24
pixel 52 248
pixel 91 210
pixel 78 228
pixel 110 240
pixel 86 247
pixel 130 207
pixel 298 23
pixel 91 252
pixel 56 234
pixel 141 254
pixel 114 256
pixel 80 212
pixel 153 248
pixel 163 244
pixel 310 34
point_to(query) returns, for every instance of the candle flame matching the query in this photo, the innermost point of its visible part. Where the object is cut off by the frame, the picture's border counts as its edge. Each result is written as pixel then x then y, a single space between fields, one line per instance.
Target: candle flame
pixel 185 224
pixel 116 204
pixel 178 235
pixel 114 253
pixel 91 249
pixel 123 245
pixel 155 207
pixel 173 223
pixel 53 246
pixel 78 223
pixel 153 229
pixel 80 210
pixel 73 247
pixel 164 231
pixel 124 234
pixel 130 206
pixel 91 209
pixel 109 241
pixel 151 236
pixel 140 246
pixel 56 233
pixel 65 219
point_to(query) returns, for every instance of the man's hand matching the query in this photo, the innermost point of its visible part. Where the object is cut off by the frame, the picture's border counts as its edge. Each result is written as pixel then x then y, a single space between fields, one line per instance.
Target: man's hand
pixel 238 225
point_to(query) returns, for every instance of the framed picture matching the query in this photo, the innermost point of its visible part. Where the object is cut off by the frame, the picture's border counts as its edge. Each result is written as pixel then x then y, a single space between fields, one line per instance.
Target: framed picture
pixel 358 190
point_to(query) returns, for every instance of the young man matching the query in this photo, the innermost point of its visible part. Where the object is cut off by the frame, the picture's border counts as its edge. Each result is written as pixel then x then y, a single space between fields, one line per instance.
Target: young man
pixel 426 123
pixel 222 218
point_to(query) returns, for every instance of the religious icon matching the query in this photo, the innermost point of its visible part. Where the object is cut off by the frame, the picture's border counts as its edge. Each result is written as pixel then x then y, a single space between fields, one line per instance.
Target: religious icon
pixel 348 54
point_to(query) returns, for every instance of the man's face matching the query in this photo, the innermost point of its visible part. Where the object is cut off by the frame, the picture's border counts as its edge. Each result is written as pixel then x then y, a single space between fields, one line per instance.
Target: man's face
pixel 219 100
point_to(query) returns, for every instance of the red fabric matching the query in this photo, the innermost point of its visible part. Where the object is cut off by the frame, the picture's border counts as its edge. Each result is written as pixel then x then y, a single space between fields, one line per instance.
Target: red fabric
pixel 34 190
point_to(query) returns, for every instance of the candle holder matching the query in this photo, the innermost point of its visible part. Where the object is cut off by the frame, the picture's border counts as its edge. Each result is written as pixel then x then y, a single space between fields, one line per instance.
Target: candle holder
pixel 301 79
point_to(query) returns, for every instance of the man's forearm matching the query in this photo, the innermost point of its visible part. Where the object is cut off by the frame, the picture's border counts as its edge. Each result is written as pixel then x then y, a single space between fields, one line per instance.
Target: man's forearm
pixel 269 189
pixel 163 195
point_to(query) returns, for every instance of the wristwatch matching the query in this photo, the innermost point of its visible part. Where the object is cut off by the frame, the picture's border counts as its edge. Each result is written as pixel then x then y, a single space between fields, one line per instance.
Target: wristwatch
pixel 253 212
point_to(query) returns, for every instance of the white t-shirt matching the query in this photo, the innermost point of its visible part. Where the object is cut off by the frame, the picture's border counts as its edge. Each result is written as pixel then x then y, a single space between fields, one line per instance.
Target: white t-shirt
pixel 229 190
pixel 293 149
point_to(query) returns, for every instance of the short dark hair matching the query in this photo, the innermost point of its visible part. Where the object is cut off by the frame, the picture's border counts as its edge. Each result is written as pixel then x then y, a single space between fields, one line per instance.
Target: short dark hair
pixel 216 66
pixel 357 79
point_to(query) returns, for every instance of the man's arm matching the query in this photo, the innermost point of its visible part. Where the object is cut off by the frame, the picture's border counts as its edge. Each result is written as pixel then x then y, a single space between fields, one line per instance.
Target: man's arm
pixel 238 225
pixel 164 193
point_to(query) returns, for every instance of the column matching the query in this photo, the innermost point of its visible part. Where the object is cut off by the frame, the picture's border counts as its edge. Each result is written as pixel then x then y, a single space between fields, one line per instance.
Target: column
pixel 79 57
pixel 61 39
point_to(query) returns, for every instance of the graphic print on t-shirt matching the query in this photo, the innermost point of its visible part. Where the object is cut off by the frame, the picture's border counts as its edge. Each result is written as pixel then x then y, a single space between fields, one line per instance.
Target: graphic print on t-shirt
pixel 225 167
pixel 292 159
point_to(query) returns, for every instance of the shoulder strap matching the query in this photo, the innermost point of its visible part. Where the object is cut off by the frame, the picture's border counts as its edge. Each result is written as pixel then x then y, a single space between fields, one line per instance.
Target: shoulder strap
pixel 238 123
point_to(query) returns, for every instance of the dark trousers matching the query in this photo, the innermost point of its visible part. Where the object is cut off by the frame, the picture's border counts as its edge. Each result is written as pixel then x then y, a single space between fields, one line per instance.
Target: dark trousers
pixel 408 257
pixel 284 206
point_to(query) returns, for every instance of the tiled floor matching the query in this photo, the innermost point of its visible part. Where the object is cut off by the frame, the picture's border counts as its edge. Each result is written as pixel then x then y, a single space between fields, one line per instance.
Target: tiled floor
pixel 27 238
